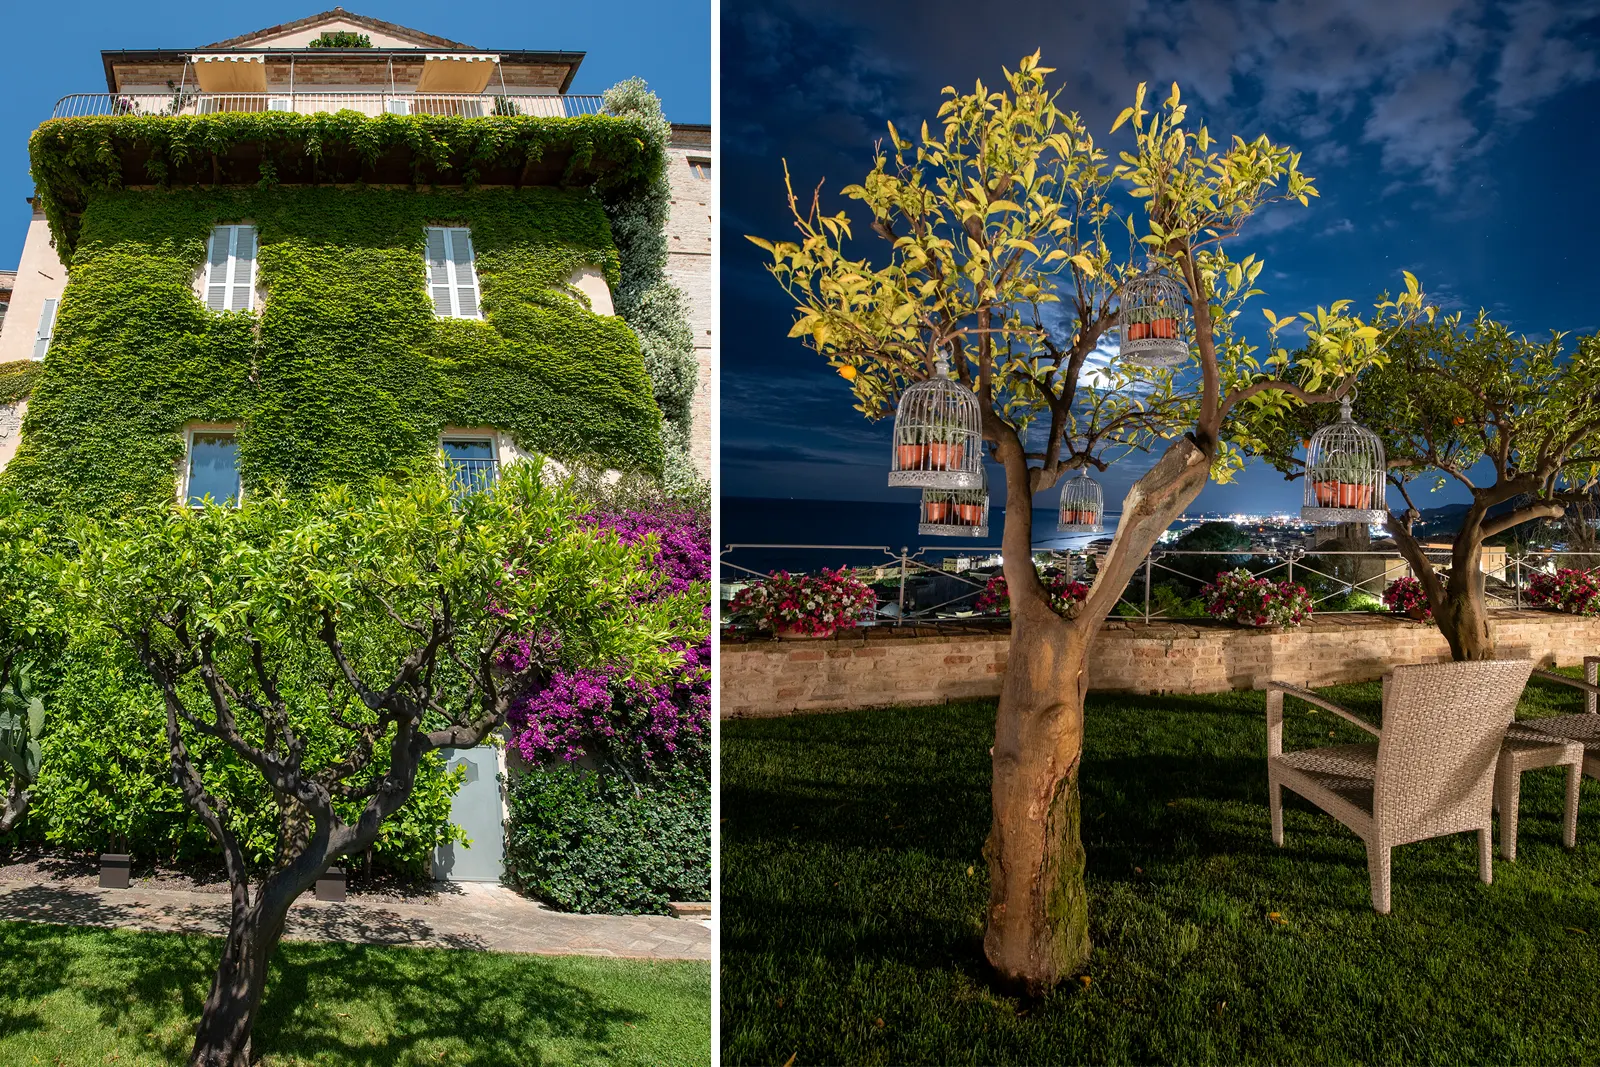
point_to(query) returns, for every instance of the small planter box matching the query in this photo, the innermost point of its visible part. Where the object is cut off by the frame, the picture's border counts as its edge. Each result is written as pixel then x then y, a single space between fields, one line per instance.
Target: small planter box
pixel 115 868
pixel 691 909
pixel 330 886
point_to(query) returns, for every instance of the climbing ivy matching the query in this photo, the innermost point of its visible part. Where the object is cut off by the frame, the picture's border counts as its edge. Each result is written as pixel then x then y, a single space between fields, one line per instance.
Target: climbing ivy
pixel 344 372
pixel 17 378
pixel 652 305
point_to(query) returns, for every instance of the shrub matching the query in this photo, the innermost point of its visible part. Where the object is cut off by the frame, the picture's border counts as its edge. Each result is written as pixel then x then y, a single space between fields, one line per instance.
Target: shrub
pixel 1252 601
pixel 819 604
pixel 1066 593
pixel 598 843
pixel 1406 597
pixel 1576 592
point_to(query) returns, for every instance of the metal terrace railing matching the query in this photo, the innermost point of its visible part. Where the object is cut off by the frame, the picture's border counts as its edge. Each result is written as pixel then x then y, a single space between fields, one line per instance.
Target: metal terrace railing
pixel 1341 575
pixel 462 105
pixel 473 475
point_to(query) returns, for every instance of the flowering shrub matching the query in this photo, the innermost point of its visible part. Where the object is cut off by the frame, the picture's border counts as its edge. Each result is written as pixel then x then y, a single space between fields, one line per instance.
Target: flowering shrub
pixel 1405 597
pixel 1576 592
pixel 1251 601
pixel 683 552
pixel 1064 591
pixel 816 604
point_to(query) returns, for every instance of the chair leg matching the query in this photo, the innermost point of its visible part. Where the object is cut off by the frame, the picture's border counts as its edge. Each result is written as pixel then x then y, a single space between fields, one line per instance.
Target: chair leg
pixel 1378 873
pixel 1485 856
pixel 1569 829
pixel 1275 802
pixel 1508 797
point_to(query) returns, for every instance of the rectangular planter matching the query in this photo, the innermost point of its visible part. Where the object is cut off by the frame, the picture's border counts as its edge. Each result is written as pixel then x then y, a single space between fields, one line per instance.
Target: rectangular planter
pixel 115 868
pixel 330 886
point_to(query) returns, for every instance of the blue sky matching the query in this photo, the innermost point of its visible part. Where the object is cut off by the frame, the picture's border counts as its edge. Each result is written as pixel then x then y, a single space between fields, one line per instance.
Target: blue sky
pixel 51 52
pixel 1451 138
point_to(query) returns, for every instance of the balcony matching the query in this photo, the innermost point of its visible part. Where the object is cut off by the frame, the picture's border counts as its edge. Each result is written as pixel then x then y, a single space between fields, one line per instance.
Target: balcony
pixel 460 105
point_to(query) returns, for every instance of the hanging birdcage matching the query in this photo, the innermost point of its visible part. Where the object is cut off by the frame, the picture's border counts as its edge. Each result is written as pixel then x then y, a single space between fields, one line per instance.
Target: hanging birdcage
pixel 1083 508
pixel 1345 473
pixel 955 512
pixel 1154 320
pixel 938 435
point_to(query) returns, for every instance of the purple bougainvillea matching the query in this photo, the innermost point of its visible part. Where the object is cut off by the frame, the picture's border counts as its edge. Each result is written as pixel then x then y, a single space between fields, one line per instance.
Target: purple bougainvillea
pixel 604 714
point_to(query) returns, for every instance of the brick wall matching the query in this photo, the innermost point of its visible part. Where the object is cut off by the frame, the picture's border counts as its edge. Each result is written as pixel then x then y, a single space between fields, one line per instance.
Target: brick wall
pixel 766 678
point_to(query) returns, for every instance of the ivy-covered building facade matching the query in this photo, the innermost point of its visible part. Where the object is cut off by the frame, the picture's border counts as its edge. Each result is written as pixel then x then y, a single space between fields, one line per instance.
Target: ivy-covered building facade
pixel 329 250
pixel 326 252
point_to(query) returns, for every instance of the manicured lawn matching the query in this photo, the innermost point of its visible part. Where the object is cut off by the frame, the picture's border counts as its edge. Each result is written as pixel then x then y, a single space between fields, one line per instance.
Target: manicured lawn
pixel 76 996
pixel 854 891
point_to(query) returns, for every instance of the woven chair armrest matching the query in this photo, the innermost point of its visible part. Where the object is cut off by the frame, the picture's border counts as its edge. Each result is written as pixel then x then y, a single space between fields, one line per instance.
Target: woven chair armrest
pixel 1311 698
pixel 1576 683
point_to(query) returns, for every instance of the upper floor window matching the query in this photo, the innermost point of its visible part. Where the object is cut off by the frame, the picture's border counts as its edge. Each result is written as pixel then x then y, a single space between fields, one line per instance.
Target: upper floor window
pixel 473 460
pixel 231 269
pixel 211 468
pixel 700 168
pixel 47 327
pixel 452 275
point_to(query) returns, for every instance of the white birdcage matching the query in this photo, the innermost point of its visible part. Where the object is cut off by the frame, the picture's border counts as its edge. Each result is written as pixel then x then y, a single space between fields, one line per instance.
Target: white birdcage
pixel 955 512
pixel 1345 473
pixel 938 435
pixel 1083 507
pixel 1154 320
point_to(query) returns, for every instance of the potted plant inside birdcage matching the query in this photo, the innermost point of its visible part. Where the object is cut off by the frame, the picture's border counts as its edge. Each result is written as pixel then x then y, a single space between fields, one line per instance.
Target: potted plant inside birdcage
pixel 946 446
pixel 936 506
pixel 1351 477
pixel 910 449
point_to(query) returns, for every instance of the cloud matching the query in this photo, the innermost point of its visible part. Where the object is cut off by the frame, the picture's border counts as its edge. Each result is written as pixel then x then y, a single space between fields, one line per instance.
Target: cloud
pixel 1339 226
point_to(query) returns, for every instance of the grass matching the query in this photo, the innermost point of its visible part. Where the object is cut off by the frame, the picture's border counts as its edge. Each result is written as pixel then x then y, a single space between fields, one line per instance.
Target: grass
pixel 77 996
pixel 854 891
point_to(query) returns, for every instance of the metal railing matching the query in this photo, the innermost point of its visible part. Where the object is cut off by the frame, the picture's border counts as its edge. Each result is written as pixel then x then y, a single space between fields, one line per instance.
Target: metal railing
pixel 473 475
pixel 1353 572
pixel 461 105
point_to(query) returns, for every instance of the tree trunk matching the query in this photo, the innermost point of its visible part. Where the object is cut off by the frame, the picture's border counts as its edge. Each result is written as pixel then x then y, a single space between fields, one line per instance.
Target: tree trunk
pixel 229 1015
pixel 1463 618
pixel 1038 928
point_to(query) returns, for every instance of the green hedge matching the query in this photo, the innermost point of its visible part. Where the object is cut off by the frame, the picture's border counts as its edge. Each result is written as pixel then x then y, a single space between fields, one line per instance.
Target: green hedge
pixel 596 843
pixel 345 373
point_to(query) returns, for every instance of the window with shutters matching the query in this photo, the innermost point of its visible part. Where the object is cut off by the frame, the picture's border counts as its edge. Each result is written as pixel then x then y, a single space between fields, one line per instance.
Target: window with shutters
pixel 211 467
pixel 47 327
pixel 231 269
pixel 700 168
pixel 452 275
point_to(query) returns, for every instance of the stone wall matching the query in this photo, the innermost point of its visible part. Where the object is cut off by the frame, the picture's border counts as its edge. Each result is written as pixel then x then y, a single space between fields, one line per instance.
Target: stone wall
pixel 689 266
pixel 878 667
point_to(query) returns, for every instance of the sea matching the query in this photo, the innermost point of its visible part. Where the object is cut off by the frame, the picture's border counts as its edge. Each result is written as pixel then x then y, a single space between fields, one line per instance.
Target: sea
pixel 764 535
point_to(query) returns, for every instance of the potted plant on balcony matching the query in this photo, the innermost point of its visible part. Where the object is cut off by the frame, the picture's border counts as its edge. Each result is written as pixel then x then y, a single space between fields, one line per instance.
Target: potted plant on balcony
pixel 799 606
pixel 1256 602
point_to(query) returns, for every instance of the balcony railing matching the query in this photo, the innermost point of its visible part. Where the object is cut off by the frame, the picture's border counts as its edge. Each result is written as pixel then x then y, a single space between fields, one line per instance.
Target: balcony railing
pixel 461 105
pixel 473 475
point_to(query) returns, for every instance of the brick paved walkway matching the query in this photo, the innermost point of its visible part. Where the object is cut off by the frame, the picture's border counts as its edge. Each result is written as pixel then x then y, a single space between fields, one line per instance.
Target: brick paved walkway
pixel 465 916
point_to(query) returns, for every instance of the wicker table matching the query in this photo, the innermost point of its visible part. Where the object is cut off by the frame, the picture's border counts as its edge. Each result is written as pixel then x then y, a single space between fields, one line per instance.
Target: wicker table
pixel 1525 749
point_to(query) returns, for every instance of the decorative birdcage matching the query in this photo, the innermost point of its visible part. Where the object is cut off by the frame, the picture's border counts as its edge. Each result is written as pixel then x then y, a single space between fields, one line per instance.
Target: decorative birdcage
pixel 1154 320
pixel 1345 473
pixel 955 512
pixel 1083 508
pixel 938 435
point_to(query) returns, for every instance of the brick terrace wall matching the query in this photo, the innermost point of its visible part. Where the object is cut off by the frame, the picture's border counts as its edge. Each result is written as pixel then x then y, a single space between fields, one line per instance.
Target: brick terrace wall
pixel 768 678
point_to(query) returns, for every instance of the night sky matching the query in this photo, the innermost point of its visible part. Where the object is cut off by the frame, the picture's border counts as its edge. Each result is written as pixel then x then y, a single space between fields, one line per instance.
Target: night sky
pixel 1451 138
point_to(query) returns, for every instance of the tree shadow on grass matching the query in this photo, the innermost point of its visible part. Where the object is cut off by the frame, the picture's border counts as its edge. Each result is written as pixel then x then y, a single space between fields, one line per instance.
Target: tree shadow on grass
pixel 32 966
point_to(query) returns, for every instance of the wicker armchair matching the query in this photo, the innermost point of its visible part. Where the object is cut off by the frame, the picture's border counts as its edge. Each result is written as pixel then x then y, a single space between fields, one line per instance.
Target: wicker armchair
pixel 1430 772
pixel 1582 729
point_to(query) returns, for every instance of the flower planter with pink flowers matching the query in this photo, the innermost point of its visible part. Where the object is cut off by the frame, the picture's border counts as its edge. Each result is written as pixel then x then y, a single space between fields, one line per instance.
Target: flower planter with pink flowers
pixel 802 606
pixel 1241 597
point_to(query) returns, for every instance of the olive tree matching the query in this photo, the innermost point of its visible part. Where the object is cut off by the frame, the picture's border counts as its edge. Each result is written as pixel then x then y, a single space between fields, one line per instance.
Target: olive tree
pixel 381 618
pixel 1512 421
pixel 998 225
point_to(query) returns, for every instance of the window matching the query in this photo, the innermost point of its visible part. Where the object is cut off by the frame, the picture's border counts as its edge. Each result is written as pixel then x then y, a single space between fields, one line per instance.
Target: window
pixel 47 326
pixel 701 168
pixel 452 277
pixel 473 460
pixel 212 468
pixel 231 269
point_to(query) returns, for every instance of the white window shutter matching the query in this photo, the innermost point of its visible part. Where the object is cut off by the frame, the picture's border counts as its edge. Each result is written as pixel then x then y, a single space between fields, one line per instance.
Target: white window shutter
pixel 47 326
pixel 466 274
pixel 439 272
pixel 244 269
pixel 217 262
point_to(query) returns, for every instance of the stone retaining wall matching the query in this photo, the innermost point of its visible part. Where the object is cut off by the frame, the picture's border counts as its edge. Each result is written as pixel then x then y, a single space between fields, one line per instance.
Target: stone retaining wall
pixel 878 667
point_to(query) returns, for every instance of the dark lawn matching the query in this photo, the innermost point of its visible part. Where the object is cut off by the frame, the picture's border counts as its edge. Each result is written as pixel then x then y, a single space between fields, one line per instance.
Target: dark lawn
pixel 72 996
pixel 854 888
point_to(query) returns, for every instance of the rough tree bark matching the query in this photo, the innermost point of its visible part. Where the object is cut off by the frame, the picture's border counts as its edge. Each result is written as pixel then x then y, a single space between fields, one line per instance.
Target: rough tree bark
pixel 1038 928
